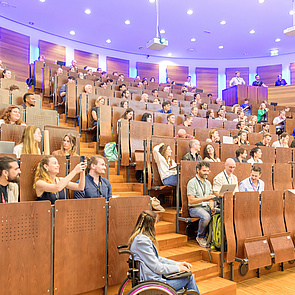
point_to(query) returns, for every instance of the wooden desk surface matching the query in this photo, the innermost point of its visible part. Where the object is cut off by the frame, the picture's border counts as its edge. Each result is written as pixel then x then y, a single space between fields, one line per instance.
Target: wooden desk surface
pixel 283 95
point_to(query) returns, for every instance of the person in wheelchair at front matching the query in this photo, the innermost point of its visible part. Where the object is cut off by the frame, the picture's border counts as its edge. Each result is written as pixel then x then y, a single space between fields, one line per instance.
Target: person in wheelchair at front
pixel 142 243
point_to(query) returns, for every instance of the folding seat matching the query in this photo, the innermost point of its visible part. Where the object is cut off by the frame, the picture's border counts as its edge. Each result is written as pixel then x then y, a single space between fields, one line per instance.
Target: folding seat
pixel 160 129
pixel 199 122
pixel 215 124
pixel 282 176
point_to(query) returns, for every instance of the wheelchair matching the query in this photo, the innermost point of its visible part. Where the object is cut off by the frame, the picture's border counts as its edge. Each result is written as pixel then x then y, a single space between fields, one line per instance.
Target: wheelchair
pixel 145 287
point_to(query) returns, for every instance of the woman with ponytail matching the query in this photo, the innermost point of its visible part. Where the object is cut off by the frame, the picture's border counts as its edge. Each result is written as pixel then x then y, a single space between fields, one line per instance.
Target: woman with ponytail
pixel 143 245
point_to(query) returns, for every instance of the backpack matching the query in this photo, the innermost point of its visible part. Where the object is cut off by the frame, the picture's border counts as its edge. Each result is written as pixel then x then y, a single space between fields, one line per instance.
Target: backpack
pixel 214 237
pixel 110 151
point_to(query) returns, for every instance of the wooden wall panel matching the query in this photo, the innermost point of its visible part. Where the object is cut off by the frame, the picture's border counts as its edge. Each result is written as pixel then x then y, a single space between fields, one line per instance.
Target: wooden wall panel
pixel 269 74
pixel 177 73
pixel 148 70
pixel 230 73
pixel 52 51
pixel 292 71
pixel 207 79
pixel 15 52
pixel 84 59
pixel 119 65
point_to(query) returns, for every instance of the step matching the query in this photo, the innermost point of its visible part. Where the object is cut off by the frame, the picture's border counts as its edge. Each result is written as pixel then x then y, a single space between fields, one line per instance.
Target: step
pixel 204 270
pixel 185 253
pixel 217 286
pixel 169 215
pixel 127 187
pixel 116 178
pixel 172 240
pixel 127 194
pixel 164 227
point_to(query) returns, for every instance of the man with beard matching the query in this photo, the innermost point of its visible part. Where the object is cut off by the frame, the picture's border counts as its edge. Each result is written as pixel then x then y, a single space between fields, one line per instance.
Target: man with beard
pixel 9 177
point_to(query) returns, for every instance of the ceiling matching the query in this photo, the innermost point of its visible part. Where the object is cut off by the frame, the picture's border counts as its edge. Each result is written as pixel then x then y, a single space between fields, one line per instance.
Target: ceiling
pixel 107 21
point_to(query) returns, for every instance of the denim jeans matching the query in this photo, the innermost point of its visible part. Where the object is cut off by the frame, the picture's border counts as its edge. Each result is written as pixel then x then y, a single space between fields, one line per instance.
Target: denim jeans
pixel 188 283
pixel 204 213
pixel 171 180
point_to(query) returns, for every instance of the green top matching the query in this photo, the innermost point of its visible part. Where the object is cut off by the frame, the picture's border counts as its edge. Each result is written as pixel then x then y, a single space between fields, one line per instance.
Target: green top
pixel 259 116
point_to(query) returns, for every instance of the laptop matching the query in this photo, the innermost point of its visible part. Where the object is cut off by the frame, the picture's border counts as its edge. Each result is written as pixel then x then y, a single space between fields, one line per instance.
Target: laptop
pixel 227 188
pixel 6 147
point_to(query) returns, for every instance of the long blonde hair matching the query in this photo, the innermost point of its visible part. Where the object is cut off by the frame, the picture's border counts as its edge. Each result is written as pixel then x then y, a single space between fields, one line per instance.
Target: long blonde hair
pixel 41 173
pixel 30 146
pixel 73 143
pixel 162 151
pixel 145 225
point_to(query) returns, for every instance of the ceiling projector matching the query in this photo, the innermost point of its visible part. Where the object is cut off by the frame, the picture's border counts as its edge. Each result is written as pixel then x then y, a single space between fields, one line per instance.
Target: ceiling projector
pixel 157 43
pixel 290 31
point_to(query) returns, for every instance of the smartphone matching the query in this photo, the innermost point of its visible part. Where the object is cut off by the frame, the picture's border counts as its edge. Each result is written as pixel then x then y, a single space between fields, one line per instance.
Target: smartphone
pixel 82 159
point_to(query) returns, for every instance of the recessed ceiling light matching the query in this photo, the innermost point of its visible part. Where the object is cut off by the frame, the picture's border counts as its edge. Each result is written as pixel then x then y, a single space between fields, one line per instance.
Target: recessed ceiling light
pixel 278 40
pixel 87 11
pixel 169 54
pixel 252 32
pixel 127 22
pixel 245 53
pixel 220 47
pixel 42 0
pixel 291 12
pixel 152 1
pixel 108 41
pixel 72 33
pixel 190 12
pixel 162 32
pixel 223 22
pixel 193 39
pixel 261 1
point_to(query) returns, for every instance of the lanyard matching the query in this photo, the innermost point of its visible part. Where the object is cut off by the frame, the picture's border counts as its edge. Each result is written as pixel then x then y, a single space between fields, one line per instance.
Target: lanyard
pixel 201 185
pixel 253 186
pixel 99 187
pixel 226 178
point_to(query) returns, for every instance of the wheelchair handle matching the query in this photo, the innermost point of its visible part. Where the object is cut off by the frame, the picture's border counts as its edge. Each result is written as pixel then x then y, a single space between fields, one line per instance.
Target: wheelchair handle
pixel 122 246
pixel 128 252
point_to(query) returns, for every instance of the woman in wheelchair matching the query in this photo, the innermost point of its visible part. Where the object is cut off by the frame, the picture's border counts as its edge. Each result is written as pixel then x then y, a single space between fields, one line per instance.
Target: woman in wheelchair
pixel 143 245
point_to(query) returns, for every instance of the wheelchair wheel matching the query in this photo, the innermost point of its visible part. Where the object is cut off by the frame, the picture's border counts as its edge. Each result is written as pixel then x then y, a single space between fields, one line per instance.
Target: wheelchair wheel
pixel 122 287
pixel 152 288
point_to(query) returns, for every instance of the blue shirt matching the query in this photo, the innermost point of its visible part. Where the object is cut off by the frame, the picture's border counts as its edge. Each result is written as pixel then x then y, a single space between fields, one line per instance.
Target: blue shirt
pixel 92 190
pixel 248 186
pixel 281 82
pixel 162 111
pixel 248 111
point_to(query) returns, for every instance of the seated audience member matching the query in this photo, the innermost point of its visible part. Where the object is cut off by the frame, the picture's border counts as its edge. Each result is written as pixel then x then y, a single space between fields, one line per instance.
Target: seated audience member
pixel 241 155
pixel 280 81
pixel 11 116
pixel 195 112
pixel 48 186
pixel 143 245
pixel 183 94
pixel 13 88
pixel 210 96
pixel 74 64
pixel 226 177
pixel 204 106
pixel 122 87
pixel 125 94
pixel 258 82
pixel 210 114
pixel 139 85
pixel 166 107
pixel 255 155
pixel 213 136
pixel 170 95
pixel 219 101
pixel 147 117
pixel 189 82
pixel 156 100
pixel 236 139
pixel 155 93
pixel 221 115
pixel 68 146
pixel 166 89
pixel 9 178
pixel 197 98
pixel 72 70
pixel 115 73
pixel 41 58
pixel 283 141
pixel 237 80
pixel 251 127
pixel 29 143
pixel 152 79
pixel 253 120
pixel 59 72
pixel 80 75
pixel 110 81
pixel 193 104
pixel 265 140
pixel 121 77
pixel 88 88
pixel 29 100
pixel 200 203
pixel 171 119
pixel 194 151
pixel 292 143
pixel 144 98
pixel 241 116
pixel 252 183
pixel 144 82
pixel 166 166
pixel 89 72
pixel 280 122
pixel 128 115
pixel 103 85
pixel 265 128
pixel 96 186
pixel 188 120
pixel 262 113
pixel 104 74
pixel 182 134
pixel 124 104
pixel 243 137
pixel 168 80
pixel 98 102
pixel 174 102
pixel 63 88
pixel 137 77
pixel 241 126
pixel 247 108
pixel 235 109
pixel 6 74
pixel 210 153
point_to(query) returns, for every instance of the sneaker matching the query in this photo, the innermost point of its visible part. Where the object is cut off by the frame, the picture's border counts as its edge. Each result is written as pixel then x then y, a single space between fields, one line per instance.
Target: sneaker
pixel 202 242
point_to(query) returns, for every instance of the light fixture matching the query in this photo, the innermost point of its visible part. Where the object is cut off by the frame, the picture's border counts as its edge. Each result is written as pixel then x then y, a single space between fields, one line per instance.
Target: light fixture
pixel 193 39
pixel 87 11
pixel 190 12
pixel 72 33
pixel 278 40
pixel 152 1
pixel 291 12
pixel 220 47
pixel 42 0
pixel 162 32
pixel 162 40
pixel 274 52
pixel 169 54
pixel 108 41
pixel 261 1
pixel 127 22
pixel 223 22
pixel 252 32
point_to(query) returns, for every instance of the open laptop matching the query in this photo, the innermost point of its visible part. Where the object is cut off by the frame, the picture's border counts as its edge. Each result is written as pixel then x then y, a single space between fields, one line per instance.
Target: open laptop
pixel 227 188
pixel 6 147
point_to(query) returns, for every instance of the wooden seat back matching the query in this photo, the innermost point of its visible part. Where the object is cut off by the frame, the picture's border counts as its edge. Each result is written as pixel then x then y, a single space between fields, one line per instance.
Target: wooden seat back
pixel 268 154
pixel 215 123
pixel 138 114
pixel 117 113
pixel 254 138
pixel 136 105
pixel 12 132
pixel 105 125
pixel 242 171
pixel 182 147
pixel 160 118
pixel 199 122
pixel 160 129
pixel 282 176
pixel 289 212
pixel 284 155
pixel 4 96
pixel 230 125
pixel 189 130
pixel 41 117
